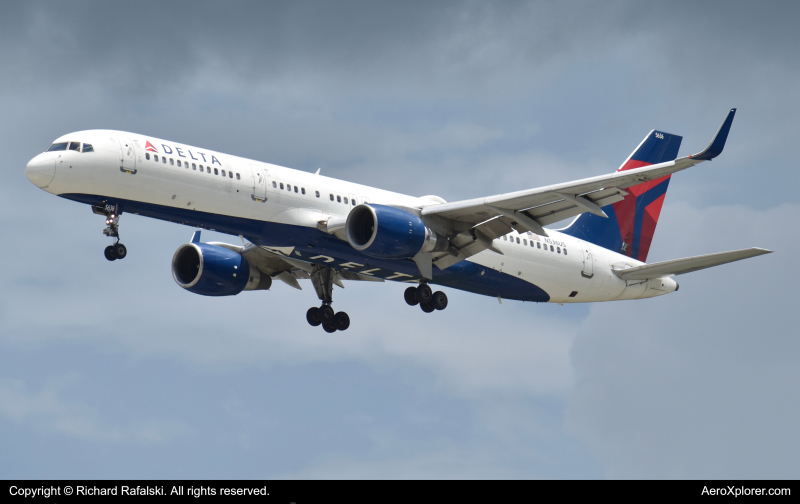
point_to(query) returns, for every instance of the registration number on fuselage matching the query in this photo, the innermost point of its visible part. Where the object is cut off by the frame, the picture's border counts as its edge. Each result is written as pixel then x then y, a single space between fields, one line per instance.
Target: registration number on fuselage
pixel 554 242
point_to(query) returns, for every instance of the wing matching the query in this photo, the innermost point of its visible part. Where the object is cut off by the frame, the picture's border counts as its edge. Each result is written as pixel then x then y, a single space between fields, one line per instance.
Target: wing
pixel 687 265
pixel 477 222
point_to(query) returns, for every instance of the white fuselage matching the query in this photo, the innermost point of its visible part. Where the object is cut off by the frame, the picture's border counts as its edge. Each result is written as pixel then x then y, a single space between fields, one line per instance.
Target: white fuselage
pixel 167 178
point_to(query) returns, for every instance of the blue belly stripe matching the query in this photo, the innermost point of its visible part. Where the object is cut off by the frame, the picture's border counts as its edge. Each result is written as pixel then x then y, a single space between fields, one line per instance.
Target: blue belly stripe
pixel 309 242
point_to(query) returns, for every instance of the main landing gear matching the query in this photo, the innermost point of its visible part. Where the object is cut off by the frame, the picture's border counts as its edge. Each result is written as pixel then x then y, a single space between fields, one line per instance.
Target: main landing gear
pixel 426 298
pixel 118 250
pixel 323 277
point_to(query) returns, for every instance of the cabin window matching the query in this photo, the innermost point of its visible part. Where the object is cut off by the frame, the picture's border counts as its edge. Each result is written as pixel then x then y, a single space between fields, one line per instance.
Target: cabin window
pixel 57 147
pixel 525 242
pixel 223 172
pixel 230 174
pixel 331 197
pixel 551 248
pixel 76 146
pixel 238 177
pixel 146 155
pixel 317 193
pixel 171 162
pixel 295 188
pixel 558 249
pixel 302 190
pixel 289 187
pixel 194 166
pixel 339 199
pixel 163 160
pixel 565 251
pixel 538 245
pixel 504 238
pixel 345 200
pixel 281 185
pixel 517 240
pixel 216 171
pixel 179 162
pixel 155 157
pixel 353 202
pixel 88 148
pixel 274 184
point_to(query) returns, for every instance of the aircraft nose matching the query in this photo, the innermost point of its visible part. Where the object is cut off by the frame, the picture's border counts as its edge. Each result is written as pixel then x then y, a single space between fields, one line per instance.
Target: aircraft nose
pixel 41 170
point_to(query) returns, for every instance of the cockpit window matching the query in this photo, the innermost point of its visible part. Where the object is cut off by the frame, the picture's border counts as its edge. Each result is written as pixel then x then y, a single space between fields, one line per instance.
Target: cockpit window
pixel 58 146
pixel 88 148
pixel 76 146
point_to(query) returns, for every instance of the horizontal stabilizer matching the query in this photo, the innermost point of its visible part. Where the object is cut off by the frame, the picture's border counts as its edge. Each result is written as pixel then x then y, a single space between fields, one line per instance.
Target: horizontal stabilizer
pixel 687 265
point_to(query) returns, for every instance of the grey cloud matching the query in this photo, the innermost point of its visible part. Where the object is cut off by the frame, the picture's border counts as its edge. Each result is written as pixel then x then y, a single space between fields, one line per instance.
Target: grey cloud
pixel 47 410
pixel 451 48
pixel 700 383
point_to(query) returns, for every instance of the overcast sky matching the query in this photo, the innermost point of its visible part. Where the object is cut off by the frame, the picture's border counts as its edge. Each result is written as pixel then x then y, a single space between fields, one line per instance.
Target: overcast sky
pixel 111 370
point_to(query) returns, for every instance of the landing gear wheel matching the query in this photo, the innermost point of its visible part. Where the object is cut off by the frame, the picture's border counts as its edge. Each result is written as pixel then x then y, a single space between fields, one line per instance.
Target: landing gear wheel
pixel 411 296
pixel 329 328
pixel 312 316
pixel 120 251
pixel 341 321
pixel 424 293
pixel 326 314
pixel 439 300
pixel 426 307
pixel 109 253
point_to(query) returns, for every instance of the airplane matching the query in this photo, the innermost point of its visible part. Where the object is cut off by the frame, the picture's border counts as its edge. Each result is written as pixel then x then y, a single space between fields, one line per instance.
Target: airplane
pixel 295 225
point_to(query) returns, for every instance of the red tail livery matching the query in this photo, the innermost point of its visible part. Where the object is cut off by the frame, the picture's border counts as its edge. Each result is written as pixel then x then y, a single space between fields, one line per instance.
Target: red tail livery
pixel 631 222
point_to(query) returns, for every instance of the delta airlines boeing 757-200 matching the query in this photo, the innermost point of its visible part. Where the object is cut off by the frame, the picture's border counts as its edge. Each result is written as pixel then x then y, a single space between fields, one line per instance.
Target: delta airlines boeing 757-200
pixel 295 225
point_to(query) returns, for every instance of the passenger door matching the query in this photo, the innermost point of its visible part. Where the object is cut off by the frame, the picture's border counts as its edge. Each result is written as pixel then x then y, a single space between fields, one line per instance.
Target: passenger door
pixel 259 183
pixel 588 261
pixel 127 155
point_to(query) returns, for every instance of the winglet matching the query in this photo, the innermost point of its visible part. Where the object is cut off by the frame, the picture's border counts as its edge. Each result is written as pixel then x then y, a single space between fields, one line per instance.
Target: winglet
pixel 195 237
pixel 714 149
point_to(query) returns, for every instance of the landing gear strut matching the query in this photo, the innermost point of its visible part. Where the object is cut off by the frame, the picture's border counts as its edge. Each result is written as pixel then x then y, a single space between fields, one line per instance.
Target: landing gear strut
pixel 425 298
pixel 117 250
pixel 323 278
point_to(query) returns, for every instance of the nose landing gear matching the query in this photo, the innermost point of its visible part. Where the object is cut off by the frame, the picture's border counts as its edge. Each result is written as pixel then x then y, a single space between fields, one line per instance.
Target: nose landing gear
pixel 425 298
pixel 322 277
pixel 112 213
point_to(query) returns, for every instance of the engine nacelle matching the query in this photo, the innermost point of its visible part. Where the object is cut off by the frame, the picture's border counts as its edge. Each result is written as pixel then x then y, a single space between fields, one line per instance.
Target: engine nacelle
pixel 384 231
pixel 211 270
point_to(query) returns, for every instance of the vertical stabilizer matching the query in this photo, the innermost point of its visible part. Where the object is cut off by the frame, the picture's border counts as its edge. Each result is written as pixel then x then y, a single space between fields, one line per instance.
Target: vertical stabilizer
pixel 631 223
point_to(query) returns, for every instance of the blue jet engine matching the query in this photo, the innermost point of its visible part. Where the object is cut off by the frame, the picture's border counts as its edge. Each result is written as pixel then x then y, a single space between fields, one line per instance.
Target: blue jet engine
pixel 384 231
pixel 211 270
